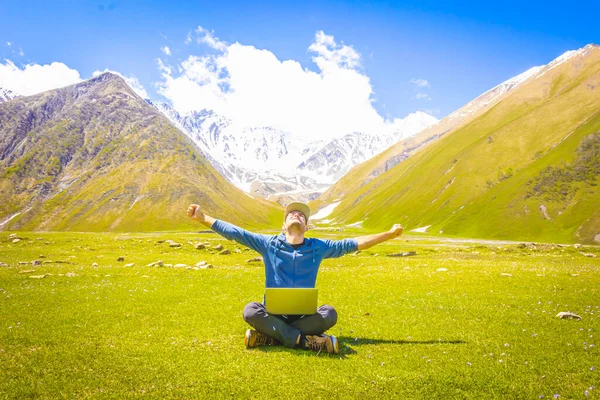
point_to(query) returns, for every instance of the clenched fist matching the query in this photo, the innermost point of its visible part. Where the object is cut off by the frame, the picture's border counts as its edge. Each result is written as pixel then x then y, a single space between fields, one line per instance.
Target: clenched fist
pixel 397 230
pixel 195 213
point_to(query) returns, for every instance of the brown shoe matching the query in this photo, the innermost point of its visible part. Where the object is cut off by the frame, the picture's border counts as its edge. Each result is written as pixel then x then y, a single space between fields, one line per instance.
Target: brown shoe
pixel 255 339
pixel 320 343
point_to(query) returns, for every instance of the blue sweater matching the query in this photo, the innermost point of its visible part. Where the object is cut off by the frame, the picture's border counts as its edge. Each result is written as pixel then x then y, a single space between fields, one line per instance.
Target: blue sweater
pixel 284 266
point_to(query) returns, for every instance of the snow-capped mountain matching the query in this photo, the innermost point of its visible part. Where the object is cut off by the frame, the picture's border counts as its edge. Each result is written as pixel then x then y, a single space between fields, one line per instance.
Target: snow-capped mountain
pixel 278 165
pixel 336 158
pixel 7 94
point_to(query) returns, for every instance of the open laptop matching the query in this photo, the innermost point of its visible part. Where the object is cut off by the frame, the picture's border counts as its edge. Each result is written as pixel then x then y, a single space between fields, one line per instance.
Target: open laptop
pixel 291 301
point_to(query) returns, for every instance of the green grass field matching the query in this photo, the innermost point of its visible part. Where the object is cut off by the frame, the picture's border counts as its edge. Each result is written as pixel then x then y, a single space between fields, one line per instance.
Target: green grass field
pixel 483 328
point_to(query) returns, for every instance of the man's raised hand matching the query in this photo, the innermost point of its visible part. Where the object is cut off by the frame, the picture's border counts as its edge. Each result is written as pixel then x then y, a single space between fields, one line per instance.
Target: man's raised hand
pixel 397 230
pixel 195 213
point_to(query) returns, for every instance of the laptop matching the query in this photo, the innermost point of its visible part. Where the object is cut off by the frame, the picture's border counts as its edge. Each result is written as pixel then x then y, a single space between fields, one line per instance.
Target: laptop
pixel 291 301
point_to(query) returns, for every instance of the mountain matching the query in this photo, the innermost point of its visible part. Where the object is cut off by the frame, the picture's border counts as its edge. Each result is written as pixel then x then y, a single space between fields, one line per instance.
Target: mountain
pixel 526 168
pixel 336 158
pixel 258 160
pixel 96 157
pixel 366 171
pixel 7 94
pixel 277 165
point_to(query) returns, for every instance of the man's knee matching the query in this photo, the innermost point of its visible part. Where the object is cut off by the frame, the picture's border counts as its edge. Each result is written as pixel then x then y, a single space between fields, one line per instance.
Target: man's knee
pixel 329 315
pixel 252 311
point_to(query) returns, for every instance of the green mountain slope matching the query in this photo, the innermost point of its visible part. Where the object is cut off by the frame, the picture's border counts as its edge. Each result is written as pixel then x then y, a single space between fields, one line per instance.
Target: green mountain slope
pixel 94 157
pixel 525 169
pixel 365 172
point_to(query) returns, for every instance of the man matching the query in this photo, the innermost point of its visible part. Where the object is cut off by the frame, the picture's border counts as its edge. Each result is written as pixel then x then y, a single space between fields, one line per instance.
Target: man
pixel 291 261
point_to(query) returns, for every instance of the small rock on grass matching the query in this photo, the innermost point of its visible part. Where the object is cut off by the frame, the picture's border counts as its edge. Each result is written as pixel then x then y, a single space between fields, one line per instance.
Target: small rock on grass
pixel 591 255
pixel 94 264
pixel 567 315
pixel 158 263
pixel 224 252
pixel 36 262
pixel 180 266
pixel 121 258
pixel 442 269
pixel 3 264
pixel 39 276
pixel 404 254
pixel 129 265
pixel 218 247
pixel 70 274
pixel 505 274
pixel 255 259
pixel 26 271
pixel 17 240
pixel 23 262
pixel 174 244
pixel 199 246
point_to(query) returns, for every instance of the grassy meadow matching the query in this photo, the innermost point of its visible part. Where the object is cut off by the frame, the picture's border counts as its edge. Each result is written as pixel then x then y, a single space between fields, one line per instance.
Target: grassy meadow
pixel 457 320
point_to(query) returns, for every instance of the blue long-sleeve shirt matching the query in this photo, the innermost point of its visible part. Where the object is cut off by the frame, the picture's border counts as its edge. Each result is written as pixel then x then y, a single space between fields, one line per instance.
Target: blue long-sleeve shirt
pixel 286 267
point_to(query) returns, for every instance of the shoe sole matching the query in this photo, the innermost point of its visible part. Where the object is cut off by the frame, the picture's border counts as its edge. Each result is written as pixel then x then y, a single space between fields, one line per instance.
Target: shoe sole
pixel 334 343
pixel 247 338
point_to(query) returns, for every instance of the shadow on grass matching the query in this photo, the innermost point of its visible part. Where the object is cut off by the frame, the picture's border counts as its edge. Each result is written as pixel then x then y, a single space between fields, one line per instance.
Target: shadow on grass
pixel 345 343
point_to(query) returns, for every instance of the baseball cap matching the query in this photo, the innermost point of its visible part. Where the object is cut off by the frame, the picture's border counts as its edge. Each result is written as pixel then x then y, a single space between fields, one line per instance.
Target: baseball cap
pixel 297 206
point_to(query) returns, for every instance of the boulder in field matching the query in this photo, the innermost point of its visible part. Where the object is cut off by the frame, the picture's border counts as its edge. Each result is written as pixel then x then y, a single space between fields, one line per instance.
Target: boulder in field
pixel 218 247
pixel 224 252
pixel 255 259
pixel 3 264
pixel 175 244
pixel 17 240
pixel 200 264
pixel 199 246
pixel 36 262
pixel 567 315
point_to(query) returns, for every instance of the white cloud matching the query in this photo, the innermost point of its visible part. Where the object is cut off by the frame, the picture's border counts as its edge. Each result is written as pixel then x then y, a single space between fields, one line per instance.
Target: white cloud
pixel 35 78
pixel 419 82
pixel 132 81
pixel 422 96
pixel 254 88
pixel 204 36
pixel 8 44
pixel 166 50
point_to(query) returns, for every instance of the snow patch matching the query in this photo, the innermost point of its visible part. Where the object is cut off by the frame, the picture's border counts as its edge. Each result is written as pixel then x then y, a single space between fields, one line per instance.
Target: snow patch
pixel 356 224
pixel 11 217
pixel 325 211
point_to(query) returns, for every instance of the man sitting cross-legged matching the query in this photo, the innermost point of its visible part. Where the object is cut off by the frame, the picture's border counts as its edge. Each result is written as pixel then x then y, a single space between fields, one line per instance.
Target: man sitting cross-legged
pixel 291 261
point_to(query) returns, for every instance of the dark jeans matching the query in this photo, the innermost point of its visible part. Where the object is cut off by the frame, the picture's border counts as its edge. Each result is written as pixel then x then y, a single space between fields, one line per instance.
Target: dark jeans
pixel 286 328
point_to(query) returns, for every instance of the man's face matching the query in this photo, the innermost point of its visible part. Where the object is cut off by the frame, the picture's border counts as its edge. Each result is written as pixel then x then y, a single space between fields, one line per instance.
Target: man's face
pixel 295 218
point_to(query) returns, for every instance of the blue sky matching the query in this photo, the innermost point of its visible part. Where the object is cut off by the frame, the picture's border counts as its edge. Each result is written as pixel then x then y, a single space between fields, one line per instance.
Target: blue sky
pixel 461 49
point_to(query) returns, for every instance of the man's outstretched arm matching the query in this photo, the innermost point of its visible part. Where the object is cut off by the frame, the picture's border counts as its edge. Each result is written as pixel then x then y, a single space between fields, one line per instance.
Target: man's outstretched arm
pixel 195 213
pixel 364 242
pixel 229 231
